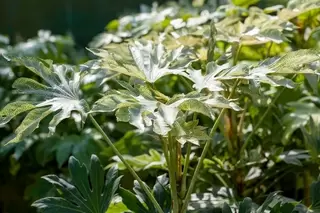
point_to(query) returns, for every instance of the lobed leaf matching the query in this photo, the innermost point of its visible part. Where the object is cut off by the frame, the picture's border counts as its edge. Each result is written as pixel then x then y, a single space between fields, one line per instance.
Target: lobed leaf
pixel 81 195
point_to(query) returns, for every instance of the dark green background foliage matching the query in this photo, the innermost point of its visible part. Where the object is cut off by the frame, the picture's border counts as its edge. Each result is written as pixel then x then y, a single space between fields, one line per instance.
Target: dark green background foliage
pixel 83 18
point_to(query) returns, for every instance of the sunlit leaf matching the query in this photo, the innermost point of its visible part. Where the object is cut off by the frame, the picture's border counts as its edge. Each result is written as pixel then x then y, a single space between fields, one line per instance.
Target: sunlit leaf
pixel 61 94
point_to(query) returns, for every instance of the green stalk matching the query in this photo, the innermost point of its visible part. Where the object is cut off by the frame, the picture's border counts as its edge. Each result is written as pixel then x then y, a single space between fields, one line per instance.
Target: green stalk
pixel 172 175
pixel 186 165
pixel 165 151
pixel 134 174
pixel 185 171
pixel 246 143
pixel 204 152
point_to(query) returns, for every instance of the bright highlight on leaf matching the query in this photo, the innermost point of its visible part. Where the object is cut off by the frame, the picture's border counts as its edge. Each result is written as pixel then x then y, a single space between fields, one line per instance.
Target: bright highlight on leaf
pixel 148 61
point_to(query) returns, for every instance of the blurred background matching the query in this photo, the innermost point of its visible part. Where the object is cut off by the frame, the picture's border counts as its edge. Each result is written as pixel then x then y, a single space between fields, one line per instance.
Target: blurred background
pixel 82 18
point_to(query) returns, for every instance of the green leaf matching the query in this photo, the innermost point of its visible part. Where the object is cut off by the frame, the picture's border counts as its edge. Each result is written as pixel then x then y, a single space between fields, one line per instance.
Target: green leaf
pixel 189 132
pixel 30 123
pixel 13 109
pixel 161 192
pixel 226 208
pixel 63 152
pixel 245 206
pixel 298 117
pixel 142 162
pixel 131 201
pixel 271 197
pixel 152 61
pixel 315 196
pixel 294 62
pixel 61 92
pixel 117 207
pixel 164 119
pixel 81 195
pixel 244 3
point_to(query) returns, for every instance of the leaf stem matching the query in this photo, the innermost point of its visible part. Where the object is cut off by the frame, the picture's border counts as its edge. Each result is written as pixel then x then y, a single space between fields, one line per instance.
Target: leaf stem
pixel 134 174
pixel 204 152
pixel 186 165
pixel 172 175
pixel 246 143
pixel 185 171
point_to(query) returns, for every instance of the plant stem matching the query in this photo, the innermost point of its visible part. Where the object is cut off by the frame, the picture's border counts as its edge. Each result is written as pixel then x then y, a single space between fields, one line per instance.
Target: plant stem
pixel 186 83
pixel 186 165
pixel 245 144
pixel 242 118
pixel 165 151
pixel 172 175
pixel 185 171
pixel 306 188
pixel 134 174
pixel 157 93
pixel 204 152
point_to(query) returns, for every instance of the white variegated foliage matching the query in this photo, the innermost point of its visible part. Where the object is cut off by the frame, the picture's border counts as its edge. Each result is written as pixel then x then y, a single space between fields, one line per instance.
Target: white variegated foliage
pixel 59 95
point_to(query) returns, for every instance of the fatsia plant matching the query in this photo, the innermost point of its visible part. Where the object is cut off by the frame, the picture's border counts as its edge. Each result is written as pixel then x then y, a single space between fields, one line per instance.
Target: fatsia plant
pixel 90 189
pixel 207 79
pixel 60 96
pixel 143 105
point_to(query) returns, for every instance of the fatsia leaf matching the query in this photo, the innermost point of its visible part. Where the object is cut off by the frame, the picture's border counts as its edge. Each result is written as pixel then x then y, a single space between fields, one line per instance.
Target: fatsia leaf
pixel 13 109
pixel 244 3
pixel 300 114
pixel 271 71
pixel 315 196
pixel 85 193
pixel 152 61
pixel 312 137
pixel 295 62
pixel 245 206
pixel 164 119
pixel 30 123
pixel 131 201
pixel 267 202
pixel 226 208
pixel 140 202
pixel 162 194
pixel 130 107
pixel 61 92
pixel 142 162
pixel 189 131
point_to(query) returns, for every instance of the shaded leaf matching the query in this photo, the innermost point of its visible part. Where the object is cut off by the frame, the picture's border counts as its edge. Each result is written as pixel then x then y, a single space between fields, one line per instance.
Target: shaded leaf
pixel 80 195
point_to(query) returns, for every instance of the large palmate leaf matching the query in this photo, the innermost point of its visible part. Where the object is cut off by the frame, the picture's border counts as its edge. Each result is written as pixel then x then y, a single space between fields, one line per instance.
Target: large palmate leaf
pixel 257 28
pixel 148 61
pixel 85 193
pixel 153 160
pixel 60 94
pixel 304 9
pixel 139 108
pixel 189 131
pixel 130 107
pixel 272 71
pixel 312 137
pixel 299 115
